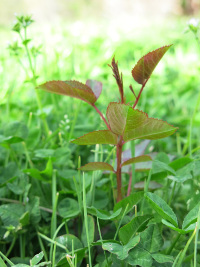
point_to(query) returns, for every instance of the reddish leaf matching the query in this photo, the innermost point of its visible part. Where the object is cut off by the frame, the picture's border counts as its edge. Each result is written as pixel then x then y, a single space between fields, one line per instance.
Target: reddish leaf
pixel 116 114
pixel 151 129
pixel 137 159
pixel 95 86
pixel 97 137
pixel 134 124
pixel 145 66
pixel 122 117
pixel 70 88
pixel 95 166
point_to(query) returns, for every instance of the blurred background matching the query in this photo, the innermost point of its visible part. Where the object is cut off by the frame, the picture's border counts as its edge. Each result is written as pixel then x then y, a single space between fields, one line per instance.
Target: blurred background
pixel 77 39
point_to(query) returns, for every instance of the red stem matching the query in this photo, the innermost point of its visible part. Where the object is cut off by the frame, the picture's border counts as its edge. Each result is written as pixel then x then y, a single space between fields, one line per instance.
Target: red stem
pixel 138 97
pixel 102 116
pixel 119 173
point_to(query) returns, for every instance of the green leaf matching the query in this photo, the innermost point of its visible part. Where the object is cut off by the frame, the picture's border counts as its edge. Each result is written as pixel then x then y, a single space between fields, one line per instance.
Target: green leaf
pixel 145 66
pixel 10 173
pixel 191 217
pixel 11 213
pixel 180 163
pixel 2 264
pixel 44 175
pixel 68 208
pixel 37 258
pixel 91 229
pixel 48 170
pixel 139 256
pixel 162 208
pixel 137 224
pixel 142 158
pixel 161 258
pixel 18 186
pixel 34 209
pixel 121 251
pixel 24 220
pixel 131 200
pixel 151 239
pixel 68 241
pixel 10 140
pixel 20 265
pixel 71 88
pixel 97 137
pixel 95 166
pixel 44 153
pixel 104 215
pixel 159 166
pixel 35 173
pixel 168 224
pixel 16 129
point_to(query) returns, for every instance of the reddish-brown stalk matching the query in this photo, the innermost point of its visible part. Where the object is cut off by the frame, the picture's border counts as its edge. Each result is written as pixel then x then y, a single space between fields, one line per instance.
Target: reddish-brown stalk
pixel 119 79
pixel 119 169
pixel 138 97
pixel 101 115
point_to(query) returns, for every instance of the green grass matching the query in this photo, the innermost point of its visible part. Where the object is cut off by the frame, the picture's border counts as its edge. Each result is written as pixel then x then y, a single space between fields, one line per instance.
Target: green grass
pixel 38 170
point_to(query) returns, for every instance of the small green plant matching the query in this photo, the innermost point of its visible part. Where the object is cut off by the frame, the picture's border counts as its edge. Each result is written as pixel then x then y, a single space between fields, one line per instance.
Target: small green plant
pixel 124 122
pixel 22 47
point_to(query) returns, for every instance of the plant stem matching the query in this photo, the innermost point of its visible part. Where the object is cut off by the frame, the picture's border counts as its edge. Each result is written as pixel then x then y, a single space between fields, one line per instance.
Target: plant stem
pixel 101 240
pixel 42 248
pixel 173 244
pixel 86 221
pixel 52 241
pixel 138 97
pixel 132 165
pixel 54 204
pixel 119 173
pixel 11 246
pixel 121 221
pixel 102 116
pixel 6 259
pixel 182 255
pixel 196 238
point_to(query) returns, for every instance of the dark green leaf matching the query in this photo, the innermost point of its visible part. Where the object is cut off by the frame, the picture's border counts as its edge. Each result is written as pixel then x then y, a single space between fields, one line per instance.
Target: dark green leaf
pixel 16 129
pixel 104 215
pixel 139 256
pixel 137 224
pixel 151 239
pixel 37 258
pixel 161 258
pixel 121 251
pixel 161 207
pixel 68 208
pixel 11 213
pixel 131 200
pixel 191 217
